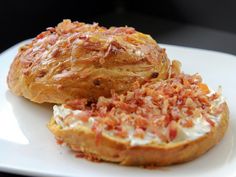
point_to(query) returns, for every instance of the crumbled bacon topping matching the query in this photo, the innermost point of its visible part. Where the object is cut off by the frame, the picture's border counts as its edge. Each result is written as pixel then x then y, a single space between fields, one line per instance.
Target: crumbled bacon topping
pixel 87 43
pixel 154 107
pixel 88 156
pixel 77 104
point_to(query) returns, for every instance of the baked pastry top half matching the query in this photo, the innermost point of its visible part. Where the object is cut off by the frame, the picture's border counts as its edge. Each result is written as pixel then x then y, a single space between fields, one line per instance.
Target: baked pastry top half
pixel 78 60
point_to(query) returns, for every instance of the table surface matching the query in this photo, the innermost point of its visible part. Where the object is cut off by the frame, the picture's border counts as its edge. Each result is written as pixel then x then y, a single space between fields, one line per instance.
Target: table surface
pixel 170 32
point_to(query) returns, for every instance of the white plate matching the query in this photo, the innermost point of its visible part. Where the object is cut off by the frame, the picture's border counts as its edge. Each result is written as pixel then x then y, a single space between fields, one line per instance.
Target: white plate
pixel 27 146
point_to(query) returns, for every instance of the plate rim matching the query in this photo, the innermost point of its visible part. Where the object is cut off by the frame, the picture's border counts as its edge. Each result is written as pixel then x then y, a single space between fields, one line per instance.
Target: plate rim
pixel 24 171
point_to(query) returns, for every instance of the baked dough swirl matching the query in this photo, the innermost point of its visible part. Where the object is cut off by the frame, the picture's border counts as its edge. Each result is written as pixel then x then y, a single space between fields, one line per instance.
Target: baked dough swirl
pixel 78 60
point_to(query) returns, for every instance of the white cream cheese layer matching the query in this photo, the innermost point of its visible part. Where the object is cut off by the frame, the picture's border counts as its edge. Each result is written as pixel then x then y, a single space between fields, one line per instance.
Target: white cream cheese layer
pixel 200 126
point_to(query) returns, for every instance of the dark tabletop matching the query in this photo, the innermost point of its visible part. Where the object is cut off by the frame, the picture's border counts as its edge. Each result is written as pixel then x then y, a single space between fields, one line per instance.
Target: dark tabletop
pixel 170 32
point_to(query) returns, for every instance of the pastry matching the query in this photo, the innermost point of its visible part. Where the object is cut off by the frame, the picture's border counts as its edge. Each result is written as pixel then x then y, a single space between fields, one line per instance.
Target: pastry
pixel 76 60
pixel 157 123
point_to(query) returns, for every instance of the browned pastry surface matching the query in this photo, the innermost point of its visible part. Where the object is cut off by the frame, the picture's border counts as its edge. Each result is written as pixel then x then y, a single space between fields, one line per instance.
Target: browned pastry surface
pixel 77 60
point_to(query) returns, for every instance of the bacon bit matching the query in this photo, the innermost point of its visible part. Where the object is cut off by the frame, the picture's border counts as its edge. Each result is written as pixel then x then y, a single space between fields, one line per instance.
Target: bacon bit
pixel 113 48
pixel 137 94
pixel 186 82
pixel 114 96
pixel 94 126
pixel 139 133
pixel 116 45
pixel 211 122
pixel 127 30
pixel 121 133
pixel 204 88
pixel 139 102
pixel 51 29
pixel 60 142
pixel 146 113
pixel 173 100
pixel 84 37
pixel 110 123
pixel 189 112
pixel 52 39
pixel 55 53
pixel 167 91
pixel 180 102
pixel 42 35
pixel 78 104
pixel 159 121
pixel 91 46
pixel 67 119
pixel 186 93
pixel 26 63
pixel 64 45
pixel 172 130
pixel 102 101
pixel 214 96
pixel 111 113
pixel 118 128
pixel 26 72
pixel 129 96
pixel 80 154
pixel 127 107
pixel 41 74
pixel 188 123
pixel 167 120
pixel 133 40
pixel 83 116
pixel 150 92
pixel 65 27
pixel 204 100
pixel 88 156
pixel 141 122
pixel 102 111
pixel 24 47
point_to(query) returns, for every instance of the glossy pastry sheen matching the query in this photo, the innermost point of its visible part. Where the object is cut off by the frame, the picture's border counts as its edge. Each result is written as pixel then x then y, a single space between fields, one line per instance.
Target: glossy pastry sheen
pixel 77 60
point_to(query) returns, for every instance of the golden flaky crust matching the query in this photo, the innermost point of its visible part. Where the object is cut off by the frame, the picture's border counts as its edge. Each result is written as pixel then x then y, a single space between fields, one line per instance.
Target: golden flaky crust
pixel 112 149
pixel 77 60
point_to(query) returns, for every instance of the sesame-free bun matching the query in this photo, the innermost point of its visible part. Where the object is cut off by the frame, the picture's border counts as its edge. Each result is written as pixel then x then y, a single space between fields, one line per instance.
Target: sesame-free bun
pixel 160 123
pixel 113 149
pixel 77 60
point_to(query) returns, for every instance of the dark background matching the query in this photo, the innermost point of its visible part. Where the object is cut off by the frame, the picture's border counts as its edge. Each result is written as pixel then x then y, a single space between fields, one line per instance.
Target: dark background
pixel 208 24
